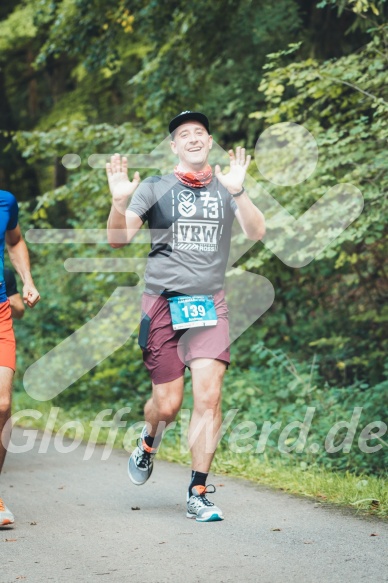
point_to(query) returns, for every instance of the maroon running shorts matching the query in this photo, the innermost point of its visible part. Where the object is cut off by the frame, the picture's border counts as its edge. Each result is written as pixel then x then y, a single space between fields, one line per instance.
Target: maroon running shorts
pixel 7 337
pixel 167 352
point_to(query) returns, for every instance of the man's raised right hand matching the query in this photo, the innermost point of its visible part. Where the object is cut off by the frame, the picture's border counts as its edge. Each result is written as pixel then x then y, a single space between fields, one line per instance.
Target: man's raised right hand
pixel 121 188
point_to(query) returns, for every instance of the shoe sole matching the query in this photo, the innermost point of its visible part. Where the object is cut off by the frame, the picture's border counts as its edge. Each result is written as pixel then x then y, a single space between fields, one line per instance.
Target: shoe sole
pixel 135 481
pixel 6 522
pixel 212 518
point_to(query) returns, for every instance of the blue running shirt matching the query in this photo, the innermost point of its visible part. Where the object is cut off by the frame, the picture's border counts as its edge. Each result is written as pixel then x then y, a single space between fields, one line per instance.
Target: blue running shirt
pixel 9 213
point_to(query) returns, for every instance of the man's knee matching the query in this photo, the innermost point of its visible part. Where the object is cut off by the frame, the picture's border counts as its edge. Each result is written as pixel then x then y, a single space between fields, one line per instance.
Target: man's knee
pixel 208 398
pixel 167 403
pixel 5 405
pixel 6 376
pixel 207 384
pixel 168 410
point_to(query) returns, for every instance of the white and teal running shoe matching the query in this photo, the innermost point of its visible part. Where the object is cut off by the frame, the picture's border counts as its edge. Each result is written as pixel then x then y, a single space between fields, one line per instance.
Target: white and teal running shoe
pixel 141 463
pixel 200 507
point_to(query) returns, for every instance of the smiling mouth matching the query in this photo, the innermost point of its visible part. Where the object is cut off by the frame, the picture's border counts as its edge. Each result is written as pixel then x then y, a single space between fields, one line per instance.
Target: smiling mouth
pixel 195 149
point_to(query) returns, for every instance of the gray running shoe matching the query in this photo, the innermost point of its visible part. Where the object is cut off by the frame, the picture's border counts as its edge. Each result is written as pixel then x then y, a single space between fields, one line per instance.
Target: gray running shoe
pixel 6 516
pixel 141 463
pixel 200 508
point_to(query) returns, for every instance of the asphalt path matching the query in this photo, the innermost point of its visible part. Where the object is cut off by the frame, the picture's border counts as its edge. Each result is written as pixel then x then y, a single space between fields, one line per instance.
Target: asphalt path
pixel 83 521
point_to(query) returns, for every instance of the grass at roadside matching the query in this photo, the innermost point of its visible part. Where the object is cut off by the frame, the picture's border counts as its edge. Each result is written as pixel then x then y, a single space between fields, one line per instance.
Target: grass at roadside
pixel 364 493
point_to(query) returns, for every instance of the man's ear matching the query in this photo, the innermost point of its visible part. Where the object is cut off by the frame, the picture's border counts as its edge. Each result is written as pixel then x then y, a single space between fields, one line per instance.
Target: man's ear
pixel 173 146
pixel 210 142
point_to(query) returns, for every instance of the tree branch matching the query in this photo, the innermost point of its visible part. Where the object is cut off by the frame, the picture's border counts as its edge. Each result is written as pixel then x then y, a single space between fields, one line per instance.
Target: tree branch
pixel 352 86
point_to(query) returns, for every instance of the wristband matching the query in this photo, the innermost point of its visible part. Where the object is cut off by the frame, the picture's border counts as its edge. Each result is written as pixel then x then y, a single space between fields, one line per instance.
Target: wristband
pixel 239 193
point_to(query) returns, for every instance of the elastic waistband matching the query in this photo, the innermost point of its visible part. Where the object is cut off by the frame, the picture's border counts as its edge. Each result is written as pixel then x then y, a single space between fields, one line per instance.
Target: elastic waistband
pixel 172 294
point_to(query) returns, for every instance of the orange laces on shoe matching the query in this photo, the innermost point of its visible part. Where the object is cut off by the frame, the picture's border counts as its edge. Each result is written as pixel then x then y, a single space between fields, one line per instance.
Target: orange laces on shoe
pixel 147 448
pixel 203 490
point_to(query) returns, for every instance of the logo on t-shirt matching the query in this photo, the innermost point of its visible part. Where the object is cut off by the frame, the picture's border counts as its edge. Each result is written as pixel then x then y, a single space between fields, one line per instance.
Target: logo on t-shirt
pixel 202 232
pixel 203 235
pixel 186 205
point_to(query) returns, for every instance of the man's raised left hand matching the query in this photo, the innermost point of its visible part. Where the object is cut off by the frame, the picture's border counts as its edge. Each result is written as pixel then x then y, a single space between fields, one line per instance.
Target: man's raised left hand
pixel 234 179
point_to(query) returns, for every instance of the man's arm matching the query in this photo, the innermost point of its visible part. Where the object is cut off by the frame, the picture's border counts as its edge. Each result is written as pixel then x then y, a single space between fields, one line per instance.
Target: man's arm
pixel 18 254
pixel 122 223
pixel 17 306
pixel 250 218
pixel 248 215
pixel 15 300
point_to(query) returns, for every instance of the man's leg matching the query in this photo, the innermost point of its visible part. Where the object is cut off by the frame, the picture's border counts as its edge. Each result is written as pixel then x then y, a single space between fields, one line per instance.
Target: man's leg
pixel 164 404
pixel 207 377
pixel 6 376
pixel 159 411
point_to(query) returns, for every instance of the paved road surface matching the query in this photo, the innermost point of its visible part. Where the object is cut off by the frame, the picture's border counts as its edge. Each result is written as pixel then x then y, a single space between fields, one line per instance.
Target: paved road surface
pixel 76 523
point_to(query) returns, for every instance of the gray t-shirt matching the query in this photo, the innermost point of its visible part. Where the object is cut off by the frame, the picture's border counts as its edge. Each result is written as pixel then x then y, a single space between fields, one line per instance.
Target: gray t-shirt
pixel 190 234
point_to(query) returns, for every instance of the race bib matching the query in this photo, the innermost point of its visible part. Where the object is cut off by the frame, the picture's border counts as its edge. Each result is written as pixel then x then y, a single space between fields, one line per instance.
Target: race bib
pixel 192 311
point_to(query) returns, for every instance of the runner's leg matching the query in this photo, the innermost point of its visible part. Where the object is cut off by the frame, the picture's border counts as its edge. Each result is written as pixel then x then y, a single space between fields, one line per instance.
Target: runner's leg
pixel 207 376
pixel 164 404
pixel 6 376
pixel 159 411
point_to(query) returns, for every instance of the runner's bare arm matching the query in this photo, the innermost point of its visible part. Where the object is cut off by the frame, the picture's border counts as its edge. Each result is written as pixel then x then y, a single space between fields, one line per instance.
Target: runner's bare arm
pixel 17 306
pixel 122 224
pixel 18 254
pixel 251 219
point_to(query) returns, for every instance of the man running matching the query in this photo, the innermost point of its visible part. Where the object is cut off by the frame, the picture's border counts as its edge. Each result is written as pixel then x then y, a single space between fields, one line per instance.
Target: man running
pixel 184 313
pixel 10 236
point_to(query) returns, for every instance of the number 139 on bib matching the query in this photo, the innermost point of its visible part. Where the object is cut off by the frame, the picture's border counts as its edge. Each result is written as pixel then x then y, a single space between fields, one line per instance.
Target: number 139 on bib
pixel 192 311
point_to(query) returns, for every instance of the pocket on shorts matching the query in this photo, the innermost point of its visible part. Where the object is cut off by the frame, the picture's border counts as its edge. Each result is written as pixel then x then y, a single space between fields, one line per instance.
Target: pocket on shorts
pixel 144 331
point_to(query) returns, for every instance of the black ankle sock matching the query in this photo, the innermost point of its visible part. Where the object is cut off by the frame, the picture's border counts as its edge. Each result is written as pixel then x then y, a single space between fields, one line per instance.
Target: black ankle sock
pixel 153 442
pixel 197 479
pixel 149 440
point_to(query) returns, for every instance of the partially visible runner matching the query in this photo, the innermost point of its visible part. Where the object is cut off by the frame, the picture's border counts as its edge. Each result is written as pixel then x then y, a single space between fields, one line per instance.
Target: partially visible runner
pixel 184 312
pixel 15 299
pixel 11 237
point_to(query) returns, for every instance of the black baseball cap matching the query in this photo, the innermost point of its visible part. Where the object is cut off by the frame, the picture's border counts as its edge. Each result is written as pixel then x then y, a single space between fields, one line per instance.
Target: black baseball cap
pixel 188 116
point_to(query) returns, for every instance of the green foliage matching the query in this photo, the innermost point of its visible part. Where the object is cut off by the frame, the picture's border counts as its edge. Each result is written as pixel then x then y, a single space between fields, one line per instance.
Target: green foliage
pixel 277 388
pixel 88 30
pixel 359 7
pixel 17 28
pixel 336 304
